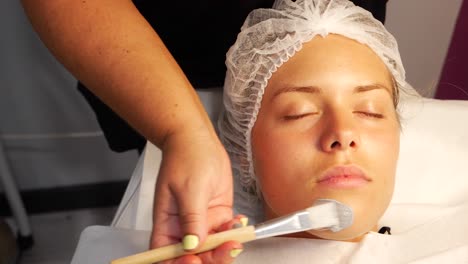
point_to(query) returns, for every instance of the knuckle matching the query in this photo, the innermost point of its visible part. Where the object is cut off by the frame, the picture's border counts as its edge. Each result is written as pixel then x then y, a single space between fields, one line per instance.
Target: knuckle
pixel 190 218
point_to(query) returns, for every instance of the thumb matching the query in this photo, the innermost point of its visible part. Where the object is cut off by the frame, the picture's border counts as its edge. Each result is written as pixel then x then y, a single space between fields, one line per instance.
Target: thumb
pixel 193 207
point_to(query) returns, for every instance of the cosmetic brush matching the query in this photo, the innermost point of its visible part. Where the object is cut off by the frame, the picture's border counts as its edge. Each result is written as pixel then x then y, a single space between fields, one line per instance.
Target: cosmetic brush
pixel 323 214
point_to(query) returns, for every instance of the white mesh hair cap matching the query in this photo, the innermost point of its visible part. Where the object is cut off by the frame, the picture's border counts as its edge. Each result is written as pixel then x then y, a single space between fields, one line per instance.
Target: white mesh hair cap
pixel 268 38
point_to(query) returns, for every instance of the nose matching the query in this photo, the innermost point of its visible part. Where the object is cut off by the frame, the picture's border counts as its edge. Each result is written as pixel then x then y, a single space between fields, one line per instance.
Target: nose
pixel 340 134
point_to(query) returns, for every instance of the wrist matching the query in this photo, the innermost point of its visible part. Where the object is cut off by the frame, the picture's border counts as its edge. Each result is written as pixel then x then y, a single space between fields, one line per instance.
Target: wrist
pixel 193 134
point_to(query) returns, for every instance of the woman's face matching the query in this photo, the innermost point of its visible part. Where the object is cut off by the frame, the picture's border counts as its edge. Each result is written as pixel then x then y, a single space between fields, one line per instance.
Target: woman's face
pixel 327 128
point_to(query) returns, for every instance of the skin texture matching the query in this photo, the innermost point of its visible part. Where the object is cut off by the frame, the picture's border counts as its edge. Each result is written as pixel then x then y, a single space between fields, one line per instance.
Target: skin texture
pixel 345 119
pixel 112 49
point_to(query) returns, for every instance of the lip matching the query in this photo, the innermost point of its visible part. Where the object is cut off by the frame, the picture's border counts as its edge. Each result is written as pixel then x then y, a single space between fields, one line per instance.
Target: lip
pixel 344 177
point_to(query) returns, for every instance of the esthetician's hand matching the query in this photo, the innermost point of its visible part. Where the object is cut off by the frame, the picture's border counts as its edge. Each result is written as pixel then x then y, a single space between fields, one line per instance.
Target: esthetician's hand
pixel 193 196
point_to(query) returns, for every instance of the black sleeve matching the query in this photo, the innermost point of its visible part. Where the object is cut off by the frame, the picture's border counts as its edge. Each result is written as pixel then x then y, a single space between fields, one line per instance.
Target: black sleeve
pixel 119 135
pixel 378 8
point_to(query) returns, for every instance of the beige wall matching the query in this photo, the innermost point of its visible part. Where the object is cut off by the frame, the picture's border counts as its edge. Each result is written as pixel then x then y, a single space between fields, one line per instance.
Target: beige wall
pixel 423 29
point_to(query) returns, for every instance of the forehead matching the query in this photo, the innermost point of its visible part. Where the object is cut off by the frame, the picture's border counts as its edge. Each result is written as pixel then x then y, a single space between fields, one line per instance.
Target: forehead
pixel 332 60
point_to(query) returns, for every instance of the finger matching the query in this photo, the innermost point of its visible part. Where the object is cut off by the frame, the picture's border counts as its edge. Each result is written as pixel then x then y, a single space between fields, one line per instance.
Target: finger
pixel 187 259
pixel 166 227
pixel 166 221
pixel 172 235
pixel 192 217
pixel 225 253
pixel 194 211
pixel 237 222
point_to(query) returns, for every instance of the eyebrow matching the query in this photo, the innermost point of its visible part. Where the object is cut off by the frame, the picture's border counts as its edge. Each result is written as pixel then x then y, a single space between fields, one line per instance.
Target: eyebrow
pixel 370 87
pixel 316 90
pixel 301 89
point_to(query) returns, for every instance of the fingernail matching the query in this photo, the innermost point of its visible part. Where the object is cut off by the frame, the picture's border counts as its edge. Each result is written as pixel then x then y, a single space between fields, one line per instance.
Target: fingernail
pixel 235 252
pixel 190 242
pixel 244 221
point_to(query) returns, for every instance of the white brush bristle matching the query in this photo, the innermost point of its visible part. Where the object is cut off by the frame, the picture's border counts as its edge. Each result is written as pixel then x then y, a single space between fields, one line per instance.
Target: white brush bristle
pixel 330 214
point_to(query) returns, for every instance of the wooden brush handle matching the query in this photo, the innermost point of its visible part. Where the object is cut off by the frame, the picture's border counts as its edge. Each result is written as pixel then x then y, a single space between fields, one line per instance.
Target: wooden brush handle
pixel 241 235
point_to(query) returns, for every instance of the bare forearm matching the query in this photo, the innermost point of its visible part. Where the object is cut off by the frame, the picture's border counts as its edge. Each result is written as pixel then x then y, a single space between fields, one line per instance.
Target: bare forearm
pixel 111 48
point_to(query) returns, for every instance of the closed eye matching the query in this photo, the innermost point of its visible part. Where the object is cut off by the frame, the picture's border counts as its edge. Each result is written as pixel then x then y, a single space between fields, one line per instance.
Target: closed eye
pixel 296 117
pixel 369 114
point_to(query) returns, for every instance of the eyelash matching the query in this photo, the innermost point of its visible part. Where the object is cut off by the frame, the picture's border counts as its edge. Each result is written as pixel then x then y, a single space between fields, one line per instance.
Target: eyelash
pixel 296 117
pixel 373 115
pixel 367 114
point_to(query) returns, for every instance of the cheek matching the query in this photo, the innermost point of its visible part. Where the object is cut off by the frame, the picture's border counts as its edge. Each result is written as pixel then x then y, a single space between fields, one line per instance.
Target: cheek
pixel 382 150
pixel 384 147
pixel 279 163
pixel 274 159
pixel 381 161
